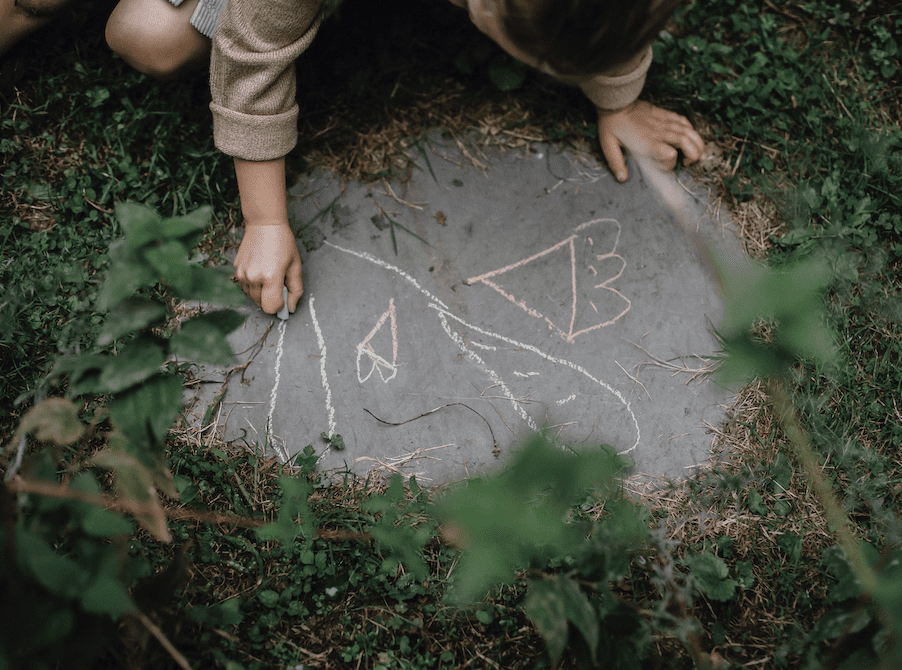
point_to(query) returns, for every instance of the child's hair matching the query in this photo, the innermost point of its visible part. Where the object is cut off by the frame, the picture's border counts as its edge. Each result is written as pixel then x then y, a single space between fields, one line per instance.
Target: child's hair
pixel 583 37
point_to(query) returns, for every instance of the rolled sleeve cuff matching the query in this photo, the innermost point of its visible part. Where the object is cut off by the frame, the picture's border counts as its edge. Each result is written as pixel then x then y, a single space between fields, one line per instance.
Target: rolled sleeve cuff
pixel 254 137
pixel 616 92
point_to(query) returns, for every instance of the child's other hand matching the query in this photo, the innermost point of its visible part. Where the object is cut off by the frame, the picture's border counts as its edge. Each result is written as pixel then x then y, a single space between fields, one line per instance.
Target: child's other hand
pixel 267 259
pixel 646 130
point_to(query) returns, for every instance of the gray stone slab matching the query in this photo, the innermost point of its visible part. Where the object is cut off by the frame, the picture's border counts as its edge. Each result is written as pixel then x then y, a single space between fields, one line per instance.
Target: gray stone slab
pixel 546 298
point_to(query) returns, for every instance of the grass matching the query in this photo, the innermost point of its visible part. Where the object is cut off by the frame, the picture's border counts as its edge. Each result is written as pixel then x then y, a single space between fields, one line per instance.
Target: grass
pixel 802 101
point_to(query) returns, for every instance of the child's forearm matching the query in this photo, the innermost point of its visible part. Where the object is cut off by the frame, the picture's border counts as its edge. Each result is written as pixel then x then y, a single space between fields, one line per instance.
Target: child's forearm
pixel 263 194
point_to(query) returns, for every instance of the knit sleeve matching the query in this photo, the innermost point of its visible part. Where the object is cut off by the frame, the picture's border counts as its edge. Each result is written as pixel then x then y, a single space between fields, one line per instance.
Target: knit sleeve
pixel 252 78
pixel 613 91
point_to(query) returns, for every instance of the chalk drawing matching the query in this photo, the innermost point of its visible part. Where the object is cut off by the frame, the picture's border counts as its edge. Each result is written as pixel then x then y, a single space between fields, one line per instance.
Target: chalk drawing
pixel 567 399
pixel 274 443
pixel 446 318
pixel 569 332
pixel 365 348
pixel 322 369
pixel 526 374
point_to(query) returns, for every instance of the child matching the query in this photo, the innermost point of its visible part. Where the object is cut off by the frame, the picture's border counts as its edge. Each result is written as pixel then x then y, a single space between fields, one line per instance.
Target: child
pixel 252 82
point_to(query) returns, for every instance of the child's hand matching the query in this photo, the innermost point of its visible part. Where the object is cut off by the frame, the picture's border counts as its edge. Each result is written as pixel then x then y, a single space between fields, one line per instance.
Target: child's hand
pixel 267 259
pixel 646 130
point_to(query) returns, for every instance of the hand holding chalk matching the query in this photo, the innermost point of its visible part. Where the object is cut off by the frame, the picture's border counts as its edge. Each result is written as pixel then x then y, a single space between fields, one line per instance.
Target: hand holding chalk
pixel 283 313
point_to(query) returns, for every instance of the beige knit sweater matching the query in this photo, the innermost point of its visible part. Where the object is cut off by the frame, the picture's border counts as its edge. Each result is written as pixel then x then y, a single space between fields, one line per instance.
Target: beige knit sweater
pixel 253 85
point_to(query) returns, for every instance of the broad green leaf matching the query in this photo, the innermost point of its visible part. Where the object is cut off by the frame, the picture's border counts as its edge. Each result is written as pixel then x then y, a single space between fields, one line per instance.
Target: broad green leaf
pixel 100 522
pixel 225 320
pixel 546 609
pixel 139 359
pixel 286 527
pixel 199 339
pixel 129 316
pixel 222 614
pixel 510 519
pixel 211 285
pixel 580 612
pixel 709 572
pixel 848 585
pixel 791 544
pixel 140 224
pixel 106 595
pixel 792 298
pixel 56 573
pixel 170 260
pixel 54 420
pixel 134 482
pixel 175 227
pixel 268 598
pixel 840 621
pixel 128 272
pixel 152 406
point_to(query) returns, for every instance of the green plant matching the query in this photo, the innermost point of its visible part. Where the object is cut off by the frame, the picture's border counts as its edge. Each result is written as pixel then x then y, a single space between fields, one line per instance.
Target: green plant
pixel 64 558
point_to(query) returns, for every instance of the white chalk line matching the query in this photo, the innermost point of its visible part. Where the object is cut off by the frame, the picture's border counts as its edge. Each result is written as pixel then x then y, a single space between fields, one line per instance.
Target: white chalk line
pixel 389 266
pixel 442 309
pixel 270 438
pixel 570 397
pixel 552 359
pixel 322 369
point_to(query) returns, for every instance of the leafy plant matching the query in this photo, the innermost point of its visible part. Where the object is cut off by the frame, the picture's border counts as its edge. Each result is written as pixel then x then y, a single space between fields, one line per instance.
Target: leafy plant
pixel 65 564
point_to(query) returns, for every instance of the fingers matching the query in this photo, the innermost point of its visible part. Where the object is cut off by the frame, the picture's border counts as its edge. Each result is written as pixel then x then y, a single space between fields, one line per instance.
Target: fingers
pixel 295 284
pixel 271 297
pixel 647 130
pixel 610 147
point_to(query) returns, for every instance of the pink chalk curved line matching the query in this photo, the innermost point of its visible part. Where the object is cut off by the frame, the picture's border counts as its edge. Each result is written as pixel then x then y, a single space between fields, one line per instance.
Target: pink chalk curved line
pixel 568 336
pixel 443 314
pixel 366 348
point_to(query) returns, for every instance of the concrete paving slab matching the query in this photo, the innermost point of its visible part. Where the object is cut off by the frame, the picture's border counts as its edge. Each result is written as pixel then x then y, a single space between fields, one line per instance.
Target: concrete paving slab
pixel 447 319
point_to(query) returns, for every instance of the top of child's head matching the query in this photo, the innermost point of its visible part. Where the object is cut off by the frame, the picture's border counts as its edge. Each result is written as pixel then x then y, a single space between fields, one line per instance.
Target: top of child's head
pixel 572 37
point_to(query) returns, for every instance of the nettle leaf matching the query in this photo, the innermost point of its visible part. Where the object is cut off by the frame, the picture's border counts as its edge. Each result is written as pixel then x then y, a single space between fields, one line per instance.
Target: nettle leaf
pixel 546 609
pixel 146 412
pixel 580 612
pixel 134 481
pixel 512 519
pixel 286 528
pixel 100 522
pixel 211 285
pixel 225 320
pixel 136 362
pixel 711 575
pixel 58 574
pixel 106 595
pixel 201 339
pixel 128 272
pixel 792 298
pixel 848 585
pixel 176 227
pixel 221 614
pixel 54 420
pixel 140 224
pixel 129 316
pixel 170 260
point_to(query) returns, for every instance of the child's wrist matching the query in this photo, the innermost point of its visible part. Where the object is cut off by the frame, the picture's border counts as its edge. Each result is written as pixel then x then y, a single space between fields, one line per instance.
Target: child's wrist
pixel 264 222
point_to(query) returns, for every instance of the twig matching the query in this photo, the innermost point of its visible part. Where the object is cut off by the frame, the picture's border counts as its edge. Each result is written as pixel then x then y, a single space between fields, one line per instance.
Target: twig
pixel 635 379
pixel 431 411
pixel 133 507
pixel 154 630
pixel 389 191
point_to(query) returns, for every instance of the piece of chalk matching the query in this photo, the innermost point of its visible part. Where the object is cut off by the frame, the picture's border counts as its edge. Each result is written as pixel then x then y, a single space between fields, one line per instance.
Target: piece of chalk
pixel 283 313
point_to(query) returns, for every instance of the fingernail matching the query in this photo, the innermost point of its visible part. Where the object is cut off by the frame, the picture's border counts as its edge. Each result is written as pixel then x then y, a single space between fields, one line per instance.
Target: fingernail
pixel 621 176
